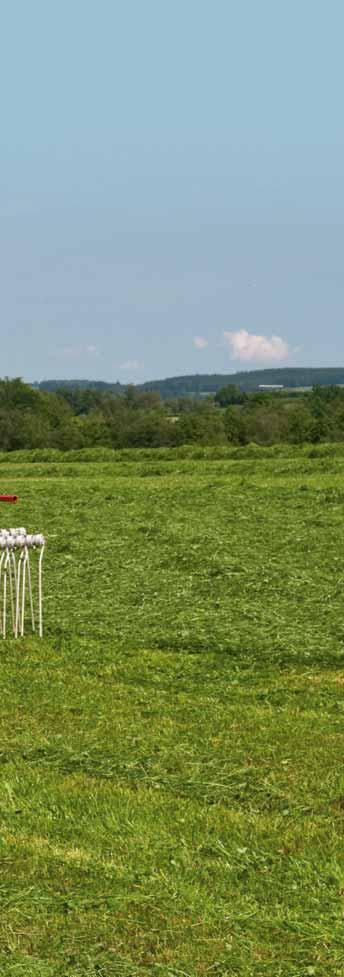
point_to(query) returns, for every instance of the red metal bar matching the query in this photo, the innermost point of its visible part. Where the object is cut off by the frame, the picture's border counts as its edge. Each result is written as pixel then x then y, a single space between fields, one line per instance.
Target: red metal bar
pixel 8 498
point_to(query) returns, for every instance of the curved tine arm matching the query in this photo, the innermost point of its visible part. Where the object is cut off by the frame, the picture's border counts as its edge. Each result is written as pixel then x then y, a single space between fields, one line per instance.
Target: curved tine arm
pixel 14 603
pixel 22 624
pixel 40 591
pixel 1 562
pixel 4 608
pixel 20 563
pixel 29 580
pixel 12 594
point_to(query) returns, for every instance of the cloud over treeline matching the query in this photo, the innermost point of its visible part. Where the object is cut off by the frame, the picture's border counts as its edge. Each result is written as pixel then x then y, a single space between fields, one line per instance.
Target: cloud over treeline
pixel 249 347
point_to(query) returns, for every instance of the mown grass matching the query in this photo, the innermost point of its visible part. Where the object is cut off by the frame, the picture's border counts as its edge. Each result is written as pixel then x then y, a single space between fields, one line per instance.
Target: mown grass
pixel 172 788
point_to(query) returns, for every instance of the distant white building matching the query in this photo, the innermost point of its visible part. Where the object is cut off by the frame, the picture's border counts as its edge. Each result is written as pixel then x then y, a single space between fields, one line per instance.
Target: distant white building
pixel 271 386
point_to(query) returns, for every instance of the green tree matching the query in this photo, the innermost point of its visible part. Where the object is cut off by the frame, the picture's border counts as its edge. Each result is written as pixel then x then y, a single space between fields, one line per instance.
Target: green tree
pixel 206 427
pixel 230 394
pixel 235 426
pixel 96 429
pixel 301 425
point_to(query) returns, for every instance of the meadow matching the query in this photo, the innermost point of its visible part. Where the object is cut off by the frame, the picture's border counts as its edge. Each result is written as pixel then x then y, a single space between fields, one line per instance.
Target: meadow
pixel 171 754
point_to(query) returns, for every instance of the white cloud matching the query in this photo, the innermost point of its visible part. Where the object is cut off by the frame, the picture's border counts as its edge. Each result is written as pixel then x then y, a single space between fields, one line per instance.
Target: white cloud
pixel 246 346
pixel 75 352
pixel 131 365
pixel 199 342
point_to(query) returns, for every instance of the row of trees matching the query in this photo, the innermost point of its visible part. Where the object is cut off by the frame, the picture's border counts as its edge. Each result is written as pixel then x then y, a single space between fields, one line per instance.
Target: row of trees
pixel 31 418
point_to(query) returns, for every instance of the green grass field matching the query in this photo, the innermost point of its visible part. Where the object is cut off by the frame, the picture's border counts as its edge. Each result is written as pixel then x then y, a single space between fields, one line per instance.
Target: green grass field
pixel 172 784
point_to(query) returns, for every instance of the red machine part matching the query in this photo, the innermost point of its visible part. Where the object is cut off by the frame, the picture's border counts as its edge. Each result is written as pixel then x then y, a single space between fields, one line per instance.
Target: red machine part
pixel 8 498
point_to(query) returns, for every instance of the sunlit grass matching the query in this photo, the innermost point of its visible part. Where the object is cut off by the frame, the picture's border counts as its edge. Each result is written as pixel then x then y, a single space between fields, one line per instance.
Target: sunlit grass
pixel 172 788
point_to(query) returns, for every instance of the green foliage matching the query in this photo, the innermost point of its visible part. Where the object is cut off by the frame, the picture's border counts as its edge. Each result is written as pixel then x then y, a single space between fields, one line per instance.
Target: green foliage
pixel 77 418
pixel 230 394
pixel 236 427
pixel 201 426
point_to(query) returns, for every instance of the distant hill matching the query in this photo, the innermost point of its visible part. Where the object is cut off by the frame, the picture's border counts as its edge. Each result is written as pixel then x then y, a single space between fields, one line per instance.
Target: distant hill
pixel 198 385
pixel 247 380
pixel 52 385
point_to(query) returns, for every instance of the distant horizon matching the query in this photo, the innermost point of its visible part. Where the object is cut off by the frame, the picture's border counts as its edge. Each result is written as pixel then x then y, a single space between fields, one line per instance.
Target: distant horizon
pixel 178 376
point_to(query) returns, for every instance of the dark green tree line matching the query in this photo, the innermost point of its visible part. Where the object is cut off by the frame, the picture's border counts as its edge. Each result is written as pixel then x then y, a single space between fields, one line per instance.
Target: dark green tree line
pixel 82 417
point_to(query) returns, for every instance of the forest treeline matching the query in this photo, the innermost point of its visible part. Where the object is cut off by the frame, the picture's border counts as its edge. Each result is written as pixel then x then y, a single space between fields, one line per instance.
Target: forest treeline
pixel 201 384
pixel 82 417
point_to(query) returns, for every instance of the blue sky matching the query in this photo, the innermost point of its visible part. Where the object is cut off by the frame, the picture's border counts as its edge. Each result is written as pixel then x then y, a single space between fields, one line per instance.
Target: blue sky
pixel 171 187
